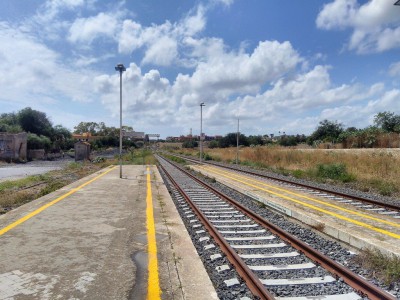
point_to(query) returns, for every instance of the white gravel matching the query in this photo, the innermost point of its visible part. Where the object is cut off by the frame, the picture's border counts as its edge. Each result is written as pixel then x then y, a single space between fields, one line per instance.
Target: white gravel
pixel 18 171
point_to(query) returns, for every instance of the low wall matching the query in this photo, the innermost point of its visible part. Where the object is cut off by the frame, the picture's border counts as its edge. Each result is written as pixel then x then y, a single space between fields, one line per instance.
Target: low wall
pixel 13 146
pixel 36 154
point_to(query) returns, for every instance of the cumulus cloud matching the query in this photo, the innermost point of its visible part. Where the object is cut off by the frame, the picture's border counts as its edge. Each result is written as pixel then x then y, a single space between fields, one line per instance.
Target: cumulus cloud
pixel 85 30
pixel 375 24
pixel 38 74
pixel 163 42
pixel 225 73
pixel 147 97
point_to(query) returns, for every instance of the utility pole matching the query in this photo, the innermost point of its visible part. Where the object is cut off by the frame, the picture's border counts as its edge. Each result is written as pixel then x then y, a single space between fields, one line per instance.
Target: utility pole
pixel 201 130
pixel 237 143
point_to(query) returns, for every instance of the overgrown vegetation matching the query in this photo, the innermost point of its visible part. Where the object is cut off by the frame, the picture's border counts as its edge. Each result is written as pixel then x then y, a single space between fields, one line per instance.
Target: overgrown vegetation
pixel 176 159
pixel 386 268
pixel 139 157
pixel 336 171
pixel 42 134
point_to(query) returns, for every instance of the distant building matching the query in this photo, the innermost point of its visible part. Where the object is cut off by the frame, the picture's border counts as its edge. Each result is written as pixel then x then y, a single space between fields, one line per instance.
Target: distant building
pixel 13 146
pixel 86 137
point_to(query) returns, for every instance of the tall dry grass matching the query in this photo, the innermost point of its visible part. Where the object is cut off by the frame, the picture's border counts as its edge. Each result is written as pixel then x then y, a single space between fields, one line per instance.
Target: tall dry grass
pixel 373 169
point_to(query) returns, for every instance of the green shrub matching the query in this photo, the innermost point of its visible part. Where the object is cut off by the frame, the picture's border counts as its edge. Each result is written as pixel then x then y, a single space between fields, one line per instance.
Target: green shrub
pixel 335 172
pixel 383 187
pixel 298 173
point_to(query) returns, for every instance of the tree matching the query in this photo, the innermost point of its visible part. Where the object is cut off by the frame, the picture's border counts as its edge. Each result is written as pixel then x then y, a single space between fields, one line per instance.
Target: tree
pixel 61 138
pixel 292 140
pixel 388 121
pixel 230 140
pixel 84 127
pixel 34 121
pixel 213 144
pixel 255 140
pixel 190 144
pixel 327 131
pixel 9 123
pixel 38 142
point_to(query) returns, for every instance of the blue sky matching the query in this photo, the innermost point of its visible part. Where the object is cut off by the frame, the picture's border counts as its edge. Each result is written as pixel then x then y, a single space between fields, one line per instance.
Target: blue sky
pixel 277 65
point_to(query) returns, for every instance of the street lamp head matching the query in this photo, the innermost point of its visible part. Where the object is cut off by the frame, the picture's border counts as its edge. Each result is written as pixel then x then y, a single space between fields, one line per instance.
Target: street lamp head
pixel 202 104
pixel 120 68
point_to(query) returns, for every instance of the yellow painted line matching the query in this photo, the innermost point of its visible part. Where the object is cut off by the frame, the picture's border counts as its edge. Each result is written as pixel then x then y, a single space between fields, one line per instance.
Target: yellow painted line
pixel 308 198
pixel 362 224
pixel 42 208
pixel 153 290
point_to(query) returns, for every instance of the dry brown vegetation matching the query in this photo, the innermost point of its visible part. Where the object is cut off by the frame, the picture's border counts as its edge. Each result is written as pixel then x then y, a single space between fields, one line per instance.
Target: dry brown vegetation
pixel 376 170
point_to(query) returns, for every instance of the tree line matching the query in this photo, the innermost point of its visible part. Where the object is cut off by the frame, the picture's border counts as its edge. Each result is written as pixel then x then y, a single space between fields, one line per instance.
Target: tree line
pixel 383 133
pixel 43 135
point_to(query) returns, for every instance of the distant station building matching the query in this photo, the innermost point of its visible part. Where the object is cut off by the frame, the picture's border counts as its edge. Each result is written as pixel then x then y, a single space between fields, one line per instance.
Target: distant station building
pixel 13 147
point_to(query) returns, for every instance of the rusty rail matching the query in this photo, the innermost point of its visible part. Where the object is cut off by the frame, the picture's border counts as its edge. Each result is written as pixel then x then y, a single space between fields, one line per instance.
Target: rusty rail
pixel 355 197
pixel 252 281
pixel 361 285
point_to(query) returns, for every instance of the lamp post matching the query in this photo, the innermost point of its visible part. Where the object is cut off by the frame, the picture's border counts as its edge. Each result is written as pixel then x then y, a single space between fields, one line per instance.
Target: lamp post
pixel 201 130
pixel 121 68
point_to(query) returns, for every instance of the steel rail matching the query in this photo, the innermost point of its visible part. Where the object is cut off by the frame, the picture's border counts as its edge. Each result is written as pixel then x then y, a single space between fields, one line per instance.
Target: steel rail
pixel 251 280
pixel 355 197
pixel 363 286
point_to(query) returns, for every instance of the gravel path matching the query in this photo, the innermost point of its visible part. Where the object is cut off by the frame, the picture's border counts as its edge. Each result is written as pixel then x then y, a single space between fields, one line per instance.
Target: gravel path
pixel 18 171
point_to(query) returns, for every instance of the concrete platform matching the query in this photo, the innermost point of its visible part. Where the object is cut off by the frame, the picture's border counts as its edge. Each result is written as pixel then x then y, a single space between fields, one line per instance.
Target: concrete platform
pixel 88 240
pixel 354 226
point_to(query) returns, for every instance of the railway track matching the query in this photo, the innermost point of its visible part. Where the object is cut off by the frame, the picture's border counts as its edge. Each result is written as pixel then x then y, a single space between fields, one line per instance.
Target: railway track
pixel 272 263
pixel 368 204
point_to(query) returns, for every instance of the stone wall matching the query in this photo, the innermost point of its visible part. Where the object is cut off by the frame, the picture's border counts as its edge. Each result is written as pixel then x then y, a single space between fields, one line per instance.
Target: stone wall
pixel 36 154
pixel 13 146
pixel 82 151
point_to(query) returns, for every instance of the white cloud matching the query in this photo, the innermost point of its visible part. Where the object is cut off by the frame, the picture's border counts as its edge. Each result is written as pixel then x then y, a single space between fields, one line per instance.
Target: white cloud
pixel 161 52
pixel 375 24
pixel 225 73
pixel 394 69
pixel 33 74
pixel 146 97
pixel 85 30
pixel 162 43
pixel 224 2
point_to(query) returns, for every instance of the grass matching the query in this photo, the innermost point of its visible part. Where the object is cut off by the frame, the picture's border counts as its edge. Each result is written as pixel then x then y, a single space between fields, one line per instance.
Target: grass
pixel 138 157
pixel 14 193
pixel 176 159
pixel 386 267
pixel 27 181
pixel 375 170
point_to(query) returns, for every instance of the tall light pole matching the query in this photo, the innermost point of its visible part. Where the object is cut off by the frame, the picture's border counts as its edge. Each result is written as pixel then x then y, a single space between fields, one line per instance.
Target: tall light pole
pixel 201 130
pixel 237 143
pixel 121 68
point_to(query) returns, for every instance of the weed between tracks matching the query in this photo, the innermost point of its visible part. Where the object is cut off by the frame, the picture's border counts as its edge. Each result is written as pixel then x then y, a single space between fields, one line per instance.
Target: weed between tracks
pixel 14 193
pixel 386 268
